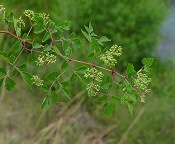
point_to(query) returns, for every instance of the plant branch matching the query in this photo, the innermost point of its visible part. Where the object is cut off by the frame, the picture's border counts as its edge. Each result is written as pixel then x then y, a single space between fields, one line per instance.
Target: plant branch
pixel 74 60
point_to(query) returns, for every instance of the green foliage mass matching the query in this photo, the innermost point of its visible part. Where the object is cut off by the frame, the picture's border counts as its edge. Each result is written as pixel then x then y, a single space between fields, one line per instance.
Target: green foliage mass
pixel 133 23
pixel 51 44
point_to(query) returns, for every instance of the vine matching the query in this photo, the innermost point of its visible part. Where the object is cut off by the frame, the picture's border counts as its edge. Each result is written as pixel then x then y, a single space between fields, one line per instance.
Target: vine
pixel 43 49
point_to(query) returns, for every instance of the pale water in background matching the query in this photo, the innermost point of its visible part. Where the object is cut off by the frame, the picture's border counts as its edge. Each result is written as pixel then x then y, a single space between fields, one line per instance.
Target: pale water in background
pixel 166 48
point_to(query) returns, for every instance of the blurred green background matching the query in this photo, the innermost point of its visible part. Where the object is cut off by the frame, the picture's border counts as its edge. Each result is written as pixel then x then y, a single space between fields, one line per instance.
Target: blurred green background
pixel 144 28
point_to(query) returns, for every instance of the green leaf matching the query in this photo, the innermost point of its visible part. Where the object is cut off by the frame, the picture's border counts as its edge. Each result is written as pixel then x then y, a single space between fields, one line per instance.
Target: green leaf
pixel 10 84
pixel 35 45
pixel 17 47
pixel 85 80
pixel 82 70
pixel 90 30
pixel 133 97
pixel 55 97
pixel 68 52
pixel 46 103
pixel 130 70
pixel 131 108
pixel 65 44
pixel 5 57
pixel 39 21
pixel 3 71
pixel 33 57
pixel 86 35
pixel 15 72
pixel 12 58
pixel 116 98
pixel 17 28
pixel 27 78
pixel 73 77
pixel 46 37
pixel 47 47
pixel 1 81
pixel 65 84
pixel 66 92
pixel 26 37
pixel 56 49
pixel 22 67
pixel 65 25
pixel 108 108
pixel 76 43
pixel 91 55
pixel 122 81
pixel 101 98
pixel 103 39
pixel 64 65
pixel 52 76
pixel 45 89
pixel 123 99
pixel 147 61
pixel 94 44
pixel 39 30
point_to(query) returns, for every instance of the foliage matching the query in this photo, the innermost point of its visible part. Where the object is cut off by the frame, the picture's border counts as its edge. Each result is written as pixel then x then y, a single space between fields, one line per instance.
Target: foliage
pixel 46 49
pixel 134 24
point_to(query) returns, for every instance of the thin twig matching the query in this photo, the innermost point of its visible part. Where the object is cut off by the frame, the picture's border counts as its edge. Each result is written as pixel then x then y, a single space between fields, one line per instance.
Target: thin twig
pixel 74 60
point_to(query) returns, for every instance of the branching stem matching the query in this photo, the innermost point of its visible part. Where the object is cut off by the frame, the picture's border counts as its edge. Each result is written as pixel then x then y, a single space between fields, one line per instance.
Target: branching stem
pixel 74 60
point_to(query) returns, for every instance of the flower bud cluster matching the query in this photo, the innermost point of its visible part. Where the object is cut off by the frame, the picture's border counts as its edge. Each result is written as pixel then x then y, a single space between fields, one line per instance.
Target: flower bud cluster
pixel 93 89
pixel 29 14
pixel 47 58
pixel 50 58
pixel 109 57
pixel 2 9
pixel 142 83
pixel 21 21
pixel 37 81
pixel 94 74
pixel 45 17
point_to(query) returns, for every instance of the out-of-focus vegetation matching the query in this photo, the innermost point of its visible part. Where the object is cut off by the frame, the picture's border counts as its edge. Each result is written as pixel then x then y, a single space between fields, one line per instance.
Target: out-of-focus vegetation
pixel 134 25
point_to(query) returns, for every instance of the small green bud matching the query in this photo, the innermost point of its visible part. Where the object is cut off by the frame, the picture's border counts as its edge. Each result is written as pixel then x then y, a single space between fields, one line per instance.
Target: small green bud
pixel 93 89
pixel 109 57
pixel 142 83
pixel 2 9
pixel 94 74
pixel 47 58
pixel 29 14
pixel 40 61
pixel 45 17
pixel 37 81
pixel 21 21
pixel 116 50
pixel 50 58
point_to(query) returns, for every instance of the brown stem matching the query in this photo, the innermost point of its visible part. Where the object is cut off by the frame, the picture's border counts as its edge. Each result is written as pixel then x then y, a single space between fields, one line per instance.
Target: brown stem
pixel 9 33
pixel 74 60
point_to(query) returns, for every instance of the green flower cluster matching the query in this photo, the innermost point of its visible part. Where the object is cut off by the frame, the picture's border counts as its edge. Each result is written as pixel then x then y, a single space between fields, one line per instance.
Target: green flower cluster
pixel 21 21
pixel 45 17
pixel 142 83
pixel 2 9
pixel 93 89
pixel 94 74
pixel 47 58
pixel 37 81
pixel 109 58
pixel 29 14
